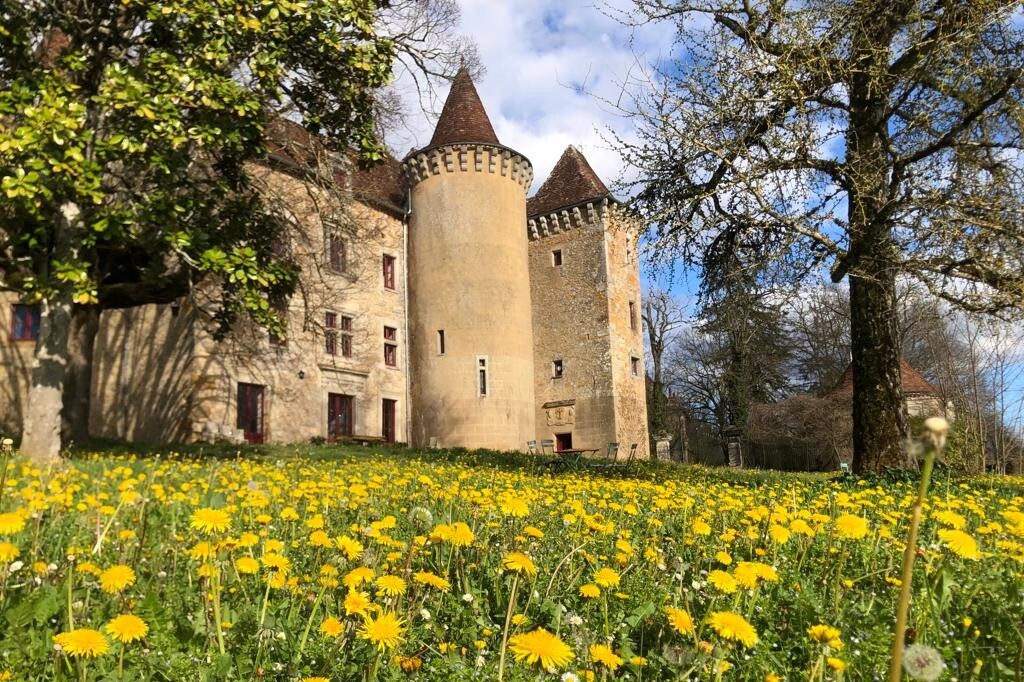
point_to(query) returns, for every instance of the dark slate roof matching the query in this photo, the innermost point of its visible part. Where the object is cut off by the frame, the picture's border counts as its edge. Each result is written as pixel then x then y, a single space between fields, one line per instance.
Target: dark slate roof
pixel 572 182
pixel 463 118
pixel 913 382
pixel 381 184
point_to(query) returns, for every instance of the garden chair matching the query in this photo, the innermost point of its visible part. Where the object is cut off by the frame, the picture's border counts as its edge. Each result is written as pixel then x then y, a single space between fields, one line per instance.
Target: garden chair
pixel 531 447
pixel 628 464
pixel 608 461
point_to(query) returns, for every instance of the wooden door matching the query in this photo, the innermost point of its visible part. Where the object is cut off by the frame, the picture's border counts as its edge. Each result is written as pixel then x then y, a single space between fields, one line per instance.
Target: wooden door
pixel 339 416
pixel 250 412
pixel 388 421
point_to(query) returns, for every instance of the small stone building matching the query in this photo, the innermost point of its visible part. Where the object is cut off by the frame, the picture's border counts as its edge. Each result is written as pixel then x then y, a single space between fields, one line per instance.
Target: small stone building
pixel 923 399
pixel 438 305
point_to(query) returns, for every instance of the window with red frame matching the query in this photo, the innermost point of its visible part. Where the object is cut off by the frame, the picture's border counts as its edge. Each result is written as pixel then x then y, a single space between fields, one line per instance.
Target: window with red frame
pixel 331 333
pixel 346 336
pixel 390 347
pixel 24 322
pixel 389 271
pixel 337 254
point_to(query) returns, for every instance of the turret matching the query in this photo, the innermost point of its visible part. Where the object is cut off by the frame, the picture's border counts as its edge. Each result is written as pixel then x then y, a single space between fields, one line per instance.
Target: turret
pixel 470 327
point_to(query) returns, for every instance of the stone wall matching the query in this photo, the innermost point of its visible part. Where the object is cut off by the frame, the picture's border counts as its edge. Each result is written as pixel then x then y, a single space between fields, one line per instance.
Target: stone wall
pixel 570 323
pixel 15 364
pixel 469 276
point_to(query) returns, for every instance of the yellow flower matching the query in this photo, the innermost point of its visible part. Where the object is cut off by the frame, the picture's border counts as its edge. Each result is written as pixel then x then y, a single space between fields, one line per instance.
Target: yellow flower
pixel 117 578
pixel 772 677
pixel 723 558
pixel 960 543
pixel 11 523
pixel 358 576
pixel 385 631
pixel 541 646
pixel 428 578
pixel 779 534
pixel 82 643
pixel 520 563
pixel 317 678
pixel 722 581
pixel 601 653
pixel 533 532
pixel 514 506
pixel 734 627
pixel 356 603
pixel 461 535
pixel 700 527
pixel 606 577
pixel 8 552
pixel 247 564
pixel 590 591
pixel 210 521
pixel 680 620
pixel 127 628
pixel 331 627
pixel 851 527
pixel 390 585
pixel 836 664
pixel 823 633
pixel 352 549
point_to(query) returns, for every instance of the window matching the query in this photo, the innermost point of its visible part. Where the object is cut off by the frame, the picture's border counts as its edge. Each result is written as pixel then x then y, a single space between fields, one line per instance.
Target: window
pixel 389 271
pixel 634 366
pixel 337 254
pixel 632 315
pixel 556 257
pixel 440 342
pixel 331 333
pixel 390 347
pixel 24 322
pixel 346 336
pixel 481 364
pixel 556 369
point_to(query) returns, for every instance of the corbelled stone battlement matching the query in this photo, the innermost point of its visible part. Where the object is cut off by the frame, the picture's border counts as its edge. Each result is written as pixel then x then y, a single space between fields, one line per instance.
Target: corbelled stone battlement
pixel 563 220
pixel 469 158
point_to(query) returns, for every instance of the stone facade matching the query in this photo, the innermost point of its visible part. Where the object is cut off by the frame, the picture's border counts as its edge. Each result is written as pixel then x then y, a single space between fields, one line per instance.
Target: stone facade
pixel 364 355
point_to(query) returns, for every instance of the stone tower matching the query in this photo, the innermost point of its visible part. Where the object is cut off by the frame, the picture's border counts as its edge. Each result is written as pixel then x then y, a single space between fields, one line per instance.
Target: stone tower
pixel 470 325
pixel 585 281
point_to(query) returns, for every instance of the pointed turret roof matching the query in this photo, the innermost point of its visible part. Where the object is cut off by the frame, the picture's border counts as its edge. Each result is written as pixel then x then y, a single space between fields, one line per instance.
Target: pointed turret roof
pixel 463 118
pixel 572 182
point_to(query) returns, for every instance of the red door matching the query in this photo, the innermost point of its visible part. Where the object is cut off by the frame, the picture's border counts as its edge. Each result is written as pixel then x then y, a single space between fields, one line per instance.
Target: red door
pixel 339 416
pixel 388 421
pixel 563 441
pixel 250 412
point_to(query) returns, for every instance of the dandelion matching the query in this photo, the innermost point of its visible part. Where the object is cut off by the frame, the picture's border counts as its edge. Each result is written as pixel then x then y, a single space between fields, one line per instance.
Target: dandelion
pixel 431 580
pixel 247 565
pixel 837 664
pixel 358 576
pixel 117 579
pixel 385 631
pixel 390 585
pixel 680 620
pixel 590 591
pixel 520 563
pixel 11 523
pixel 331 627
pixel 606 577
pixel 356 603
pixel 8 552
pixel 82 643
pixel 127 628
pixel 210 521
pixel 603 654
pixel 850 527
pixel 923 662
pixel 722 581
pixel 543 647
pixel 733 626
pixel 960 543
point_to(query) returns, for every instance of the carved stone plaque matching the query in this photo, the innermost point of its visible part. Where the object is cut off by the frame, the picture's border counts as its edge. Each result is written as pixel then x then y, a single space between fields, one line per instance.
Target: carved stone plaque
pixel 561 416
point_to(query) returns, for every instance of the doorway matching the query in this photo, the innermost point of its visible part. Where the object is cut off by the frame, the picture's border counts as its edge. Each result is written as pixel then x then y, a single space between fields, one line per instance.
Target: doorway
pixel 563 441
pixel 250 412
pixel 388 420
pixel 339 416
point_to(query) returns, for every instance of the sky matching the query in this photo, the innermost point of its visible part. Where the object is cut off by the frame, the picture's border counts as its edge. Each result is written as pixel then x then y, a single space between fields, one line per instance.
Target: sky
pixel 549 64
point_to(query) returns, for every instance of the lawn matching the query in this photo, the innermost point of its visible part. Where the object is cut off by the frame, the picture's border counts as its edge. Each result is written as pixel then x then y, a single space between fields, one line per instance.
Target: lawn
pixel 331 563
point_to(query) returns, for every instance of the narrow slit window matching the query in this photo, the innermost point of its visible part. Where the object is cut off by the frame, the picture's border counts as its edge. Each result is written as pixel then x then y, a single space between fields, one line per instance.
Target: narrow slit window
pixel 632 315
pixel 556 257
pixel 337 254
pixel 634 366
pixel 557 369
pixel 481 364
pixel 389 271
pixel 346 336
pixel 440 342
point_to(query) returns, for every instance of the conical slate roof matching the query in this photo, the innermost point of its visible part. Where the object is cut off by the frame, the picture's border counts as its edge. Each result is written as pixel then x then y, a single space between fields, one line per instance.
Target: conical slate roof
pixel 463 118
pixel 913 382
pixel 572 181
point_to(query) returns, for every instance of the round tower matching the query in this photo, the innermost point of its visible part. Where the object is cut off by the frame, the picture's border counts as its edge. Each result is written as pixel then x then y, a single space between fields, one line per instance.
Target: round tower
pixel 470 329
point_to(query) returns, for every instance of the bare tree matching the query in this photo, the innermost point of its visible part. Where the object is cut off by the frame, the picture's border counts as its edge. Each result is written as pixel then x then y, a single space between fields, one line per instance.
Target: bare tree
pixel 876 138
pixel 663 317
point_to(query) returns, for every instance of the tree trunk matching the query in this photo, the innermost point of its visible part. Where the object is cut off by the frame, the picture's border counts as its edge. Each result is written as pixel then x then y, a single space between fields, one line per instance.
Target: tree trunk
pixel 879 409
pixel 40 435
pixel 85 324
pixel 40 439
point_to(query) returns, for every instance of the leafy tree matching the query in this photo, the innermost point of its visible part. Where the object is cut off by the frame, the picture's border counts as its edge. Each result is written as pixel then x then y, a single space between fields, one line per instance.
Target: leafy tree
pixel 125 130
pixel 875 137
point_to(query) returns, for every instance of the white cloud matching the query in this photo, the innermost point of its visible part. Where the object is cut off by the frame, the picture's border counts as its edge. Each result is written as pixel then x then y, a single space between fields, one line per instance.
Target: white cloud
pixel 549 64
